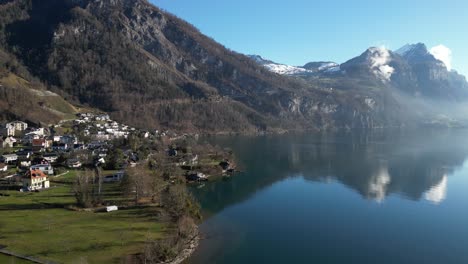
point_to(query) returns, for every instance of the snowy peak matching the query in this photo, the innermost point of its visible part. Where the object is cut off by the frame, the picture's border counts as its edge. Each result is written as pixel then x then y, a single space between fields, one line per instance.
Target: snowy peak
pixel 259 59
pixel 376 61
pixel 412 49
pixel 419 53
pixel 279 68
pixel 284 69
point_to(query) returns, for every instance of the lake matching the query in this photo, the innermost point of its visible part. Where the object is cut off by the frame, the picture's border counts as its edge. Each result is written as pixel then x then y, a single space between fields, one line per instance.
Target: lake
pixel 368 197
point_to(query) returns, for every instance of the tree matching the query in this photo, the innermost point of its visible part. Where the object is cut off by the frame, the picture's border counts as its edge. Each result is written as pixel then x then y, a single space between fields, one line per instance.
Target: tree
pixel 179 202
pixel 138 182
pixel 115 159
pixel 82 189
pixel 85 190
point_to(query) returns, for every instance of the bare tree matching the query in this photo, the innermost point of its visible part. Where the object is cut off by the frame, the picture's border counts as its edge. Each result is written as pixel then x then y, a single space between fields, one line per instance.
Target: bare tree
pixel 85 190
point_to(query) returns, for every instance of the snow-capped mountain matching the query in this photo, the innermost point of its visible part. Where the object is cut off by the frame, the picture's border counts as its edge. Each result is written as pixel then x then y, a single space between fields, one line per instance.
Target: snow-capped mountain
pixel 279 68
pixel 413 69
pixel 308 69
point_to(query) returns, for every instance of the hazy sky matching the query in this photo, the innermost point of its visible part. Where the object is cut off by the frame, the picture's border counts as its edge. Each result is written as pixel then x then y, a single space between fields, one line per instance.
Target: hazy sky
pixel 299 31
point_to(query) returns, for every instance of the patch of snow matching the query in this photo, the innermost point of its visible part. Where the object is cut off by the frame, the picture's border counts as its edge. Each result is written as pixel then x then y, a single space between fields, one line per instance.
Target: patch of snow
pixel 327 66
pixel 285 69
pixel 333 69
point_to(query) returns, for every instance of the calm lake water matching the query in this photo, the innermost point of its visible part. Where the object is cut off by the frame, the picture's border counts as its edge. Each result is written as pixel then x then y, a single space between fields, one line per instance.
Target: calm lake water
pixel 380 197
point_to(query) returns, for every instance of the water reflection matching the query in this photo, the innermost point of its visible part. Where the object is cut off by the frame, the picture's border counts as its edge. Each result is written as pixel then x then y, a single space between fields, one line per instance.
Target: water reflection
pixel 297 202
pixel 438 192
pixel 413 165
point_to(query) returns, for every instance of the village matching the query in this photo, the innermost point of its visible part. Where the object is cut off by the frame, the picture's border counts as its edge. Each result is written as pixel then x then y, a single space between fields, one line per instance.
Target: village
pixel 31 156
pixel 93 171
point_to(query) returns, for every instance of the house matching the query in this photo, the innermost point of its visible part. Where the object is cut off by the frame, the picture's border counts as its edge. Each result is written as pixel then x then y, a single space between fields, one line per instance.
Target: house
pixel 11 128
pixel 28 138
pixel 3 167
pixel 9 142
pixel 61 147
pixel 45 168
pixel 50 157
pixel 35 180
pixel 196 176
pixel 18 125
pixel 74 163
pixel 38 131
pixel 39 144
pixel 102 117
pixel 39 160
pixel 24 154
pixel 114 178
pixel 25 163
pixel 10 158
pixel 70 140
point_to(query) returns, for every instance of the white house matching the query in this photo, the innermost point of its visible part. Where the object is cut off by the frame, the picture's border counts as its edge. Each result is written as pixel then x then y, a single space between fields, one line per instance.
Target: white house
pixel 50 157
pixel 25 164
pixel 9 158
pixel 10 128
pixel 9 142
pixel 35 180
pixel 74 163
pixel 38 131
pixel 18 125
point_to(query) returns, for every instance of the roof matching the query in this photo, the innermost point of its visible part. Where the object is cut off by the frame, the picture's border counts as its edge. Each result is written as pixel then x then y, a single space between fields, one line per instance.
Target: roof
pixel 38 142
pixel 32 173
pixel 10 156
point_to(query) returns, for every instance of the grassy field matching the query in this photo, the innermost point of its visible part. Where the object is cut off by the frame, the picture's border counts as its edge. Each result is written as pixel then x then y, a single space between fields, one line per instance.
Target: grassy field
pixel 4 259
pixel 38 225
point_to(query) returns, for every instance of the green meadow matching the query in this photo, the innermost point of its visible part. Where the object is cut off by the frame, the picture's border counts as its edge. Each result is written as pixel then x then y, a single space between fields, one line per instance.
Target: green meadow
pixel 40 225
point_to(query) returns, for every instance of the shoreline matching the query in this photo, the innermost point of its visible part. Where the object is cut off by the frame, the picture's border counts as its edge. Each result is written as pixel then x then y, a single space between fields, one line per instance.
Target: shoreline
pixel 192 245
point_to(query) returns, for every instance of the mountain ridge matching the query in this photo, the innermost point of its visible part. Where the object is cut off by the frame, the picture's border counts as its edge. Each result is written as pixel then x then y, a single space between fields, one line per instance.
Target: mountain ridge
pixel 150 69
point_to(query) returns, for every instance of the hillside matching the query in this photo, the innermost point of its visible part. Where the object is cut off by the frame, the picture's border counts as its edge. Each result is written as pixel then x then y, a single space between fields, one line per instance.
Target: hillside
pixel 28 101
pixel 151 69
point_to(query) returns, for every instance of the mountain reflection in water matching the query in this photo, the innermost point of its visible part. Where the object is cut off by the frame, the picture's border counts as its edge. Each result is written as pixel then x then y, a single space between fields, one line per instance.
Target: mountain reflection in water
pixel 297 202
pixel 414 165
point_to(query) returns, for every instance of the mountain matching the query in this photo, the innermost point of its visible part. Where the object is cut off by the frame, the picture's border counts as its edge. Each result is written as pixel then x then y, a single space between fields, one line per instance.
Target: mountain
pixel 311 68
pixel 150 69
pixel 411 69
pixel 282 69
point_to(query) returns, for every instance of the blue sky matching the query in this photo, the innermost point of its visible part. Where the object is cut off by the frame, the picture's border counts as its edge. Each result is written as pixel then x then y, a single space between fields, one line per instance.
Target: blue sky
pixel 299 31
